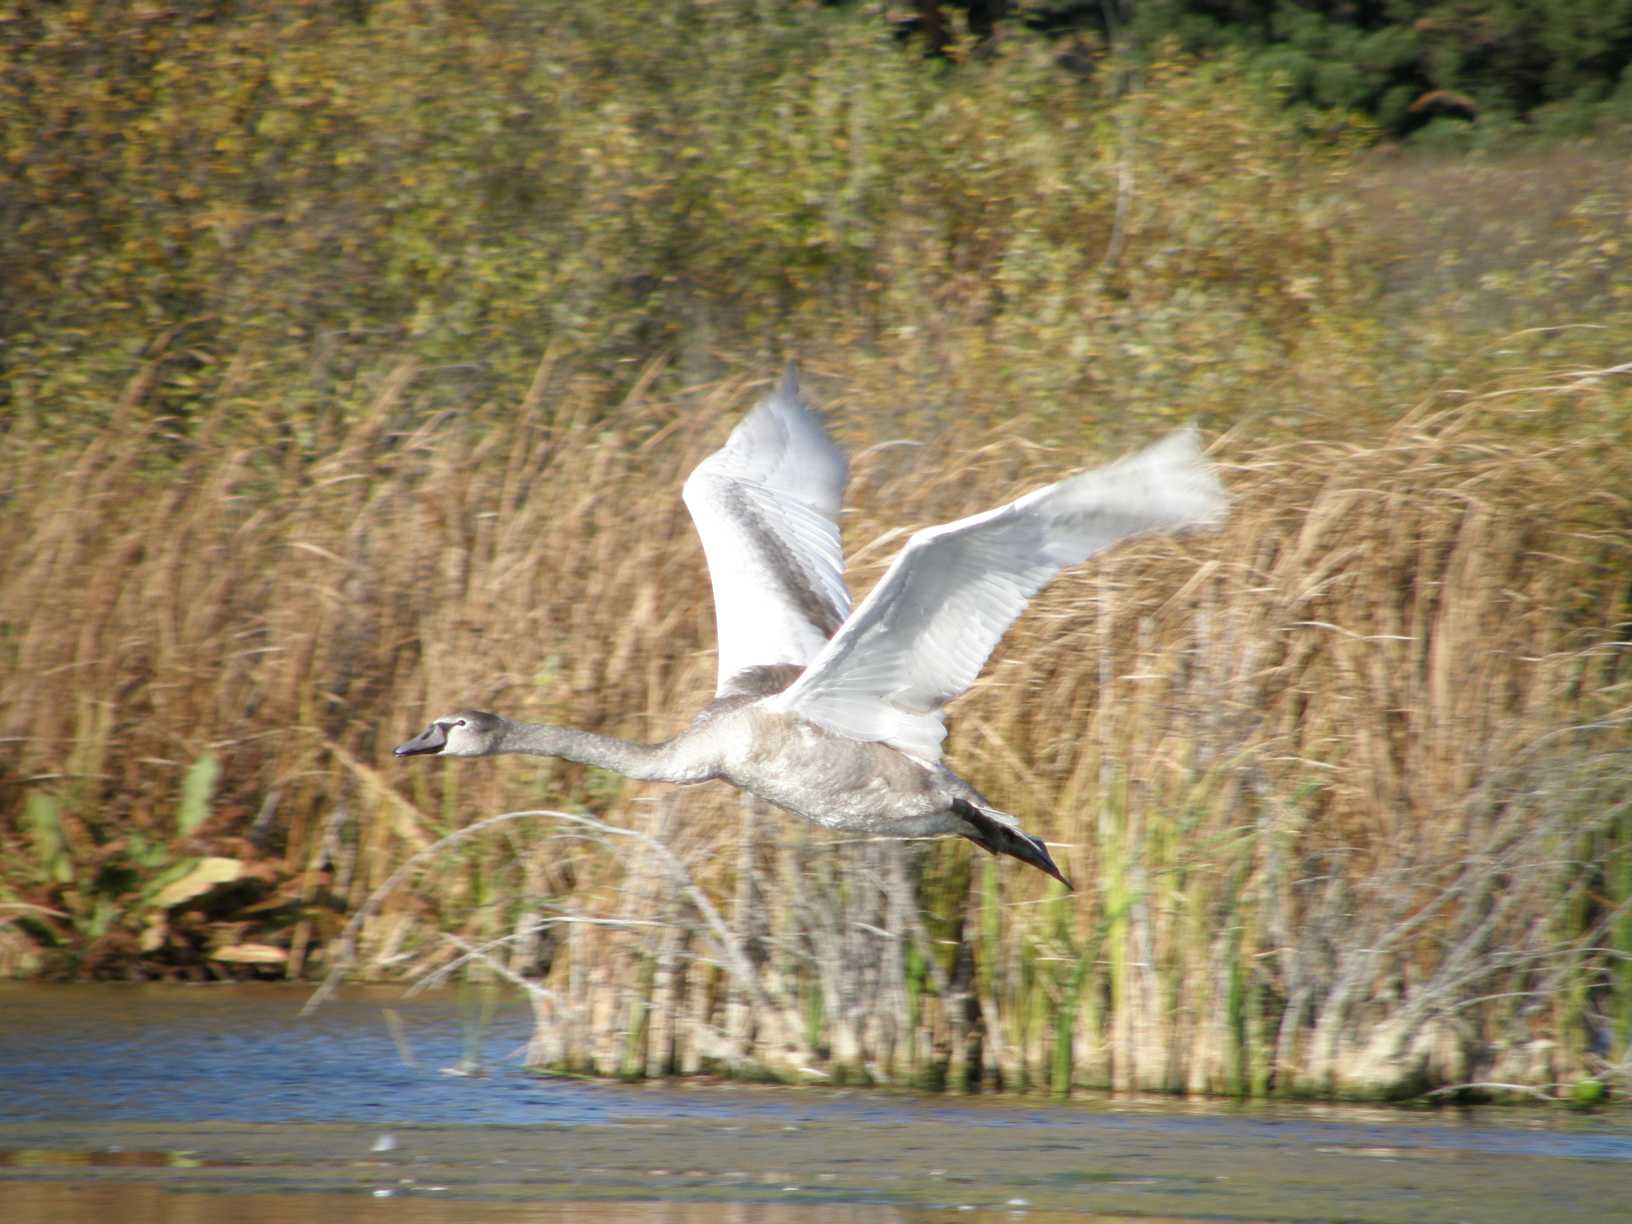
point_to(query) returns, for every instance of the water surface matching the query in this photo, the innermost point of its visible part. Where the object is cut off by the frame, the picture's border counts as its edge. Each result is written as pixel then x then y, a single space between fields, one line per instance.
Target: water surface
pixel 137 1102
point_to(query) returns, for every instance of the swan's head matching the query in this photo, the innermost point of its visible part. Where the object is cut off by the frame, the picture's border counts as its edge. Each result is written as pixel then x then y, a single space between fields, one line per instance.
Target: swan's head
pixel 466 733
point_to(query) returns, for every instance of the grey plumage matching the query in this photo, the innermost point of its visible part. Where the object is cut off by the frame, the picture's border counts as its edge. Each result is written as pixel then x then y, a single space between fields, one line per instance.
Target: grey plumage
pixel 833 714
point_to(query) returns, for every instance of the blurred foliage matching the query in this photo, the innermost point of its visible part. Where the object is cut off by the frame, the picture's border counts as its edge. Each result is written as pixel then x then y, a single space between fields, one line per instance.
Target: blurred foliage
pixel 243 186
pixel 245 194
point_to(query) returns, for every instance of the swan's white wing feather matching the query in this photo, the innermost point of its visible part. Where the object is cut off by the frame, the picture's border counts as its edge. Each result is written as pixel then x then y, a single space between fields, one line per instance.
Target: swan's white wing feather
pixel 924 632
pixel 766 505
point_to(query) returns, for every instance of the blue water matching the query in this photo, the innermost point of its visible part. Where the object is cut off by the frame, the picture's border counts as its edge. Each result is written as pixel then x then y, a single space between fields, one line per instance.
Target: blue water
pixel 246 1054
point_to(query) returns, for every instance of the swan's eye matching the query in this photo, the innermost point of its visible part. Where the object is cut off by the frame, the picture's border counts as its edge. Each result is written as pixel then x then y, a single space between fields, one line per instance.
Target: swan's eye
pixel 459 722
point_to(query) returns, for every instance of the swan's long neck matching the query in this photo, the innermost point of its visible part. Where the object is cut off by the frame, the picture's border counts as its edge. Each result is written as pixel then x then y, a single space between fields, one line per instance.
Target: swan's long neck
pixel 668 761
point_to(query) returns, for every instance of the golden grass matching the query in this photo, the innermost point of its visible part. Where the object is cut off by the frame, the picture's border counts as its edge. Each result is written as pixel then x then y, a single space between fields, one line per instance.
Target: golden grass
pixel 1342 785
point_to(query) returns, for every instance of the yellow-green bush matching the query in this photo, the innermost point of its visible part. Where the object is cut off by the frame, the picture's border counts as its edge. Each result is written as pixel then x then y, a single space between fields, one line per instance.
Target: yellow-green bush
pixel 473 185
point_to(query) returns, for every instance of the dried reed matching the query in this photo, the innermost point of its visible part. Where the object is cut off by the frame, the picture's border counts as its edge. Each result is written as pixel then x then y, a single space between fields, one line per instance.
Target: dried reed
pixel 1343 785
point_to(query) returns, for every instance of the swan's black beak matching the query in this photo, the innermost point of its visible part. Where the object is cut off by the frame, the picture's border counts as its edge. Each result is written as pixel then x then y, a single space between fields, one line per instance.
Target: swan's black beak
pixel 433 739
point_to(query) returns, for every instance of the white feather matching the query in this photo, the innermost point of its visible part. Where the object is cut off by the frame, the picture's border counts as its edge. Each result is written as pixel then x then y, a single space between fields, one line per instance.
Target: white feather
pixel 924 632
pixel 767 507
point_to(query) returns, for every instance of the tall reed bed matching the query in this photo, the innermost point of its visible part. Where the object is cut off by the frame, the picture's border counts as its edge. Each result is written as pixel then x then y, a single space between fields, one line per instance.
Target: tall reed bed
pixel 1343 786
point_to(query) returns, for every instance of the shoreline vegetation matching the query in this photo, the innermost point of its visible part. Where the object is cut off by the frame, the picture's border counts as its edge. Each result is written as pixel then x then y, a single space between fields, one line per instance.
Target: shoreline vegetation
pixel 354 374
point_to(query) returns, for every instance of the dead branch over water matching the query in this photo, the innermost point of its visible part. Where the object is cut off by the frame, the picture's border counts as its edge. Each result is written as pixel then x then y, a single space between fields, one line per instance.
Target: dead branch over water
pixel 1343 786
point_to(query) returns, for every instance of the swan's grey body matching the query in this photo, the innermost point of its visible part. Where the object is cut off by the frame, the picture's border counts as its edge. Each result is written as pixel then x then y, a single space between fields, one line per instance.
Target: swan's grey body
pixel 834 714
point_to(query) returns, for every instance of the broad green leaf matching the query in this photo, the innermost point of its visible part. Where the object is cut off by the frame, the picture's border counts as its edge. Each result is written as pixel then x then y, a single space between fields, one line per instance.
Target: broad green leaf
pixel 45 822
pixel 196 789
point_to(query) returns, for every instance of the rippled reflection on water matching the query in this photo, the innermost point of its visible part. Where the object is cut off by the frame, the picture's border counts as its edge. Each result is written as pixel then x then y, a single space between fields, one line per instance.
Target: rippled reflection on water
pixel 55 1204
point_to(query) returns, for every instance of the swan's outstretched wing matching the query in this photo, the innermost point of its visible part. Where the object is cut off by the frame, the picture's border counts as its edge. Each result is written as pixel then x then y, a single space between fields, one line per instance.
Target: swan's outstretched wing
pixel 766 505
pixel 923 634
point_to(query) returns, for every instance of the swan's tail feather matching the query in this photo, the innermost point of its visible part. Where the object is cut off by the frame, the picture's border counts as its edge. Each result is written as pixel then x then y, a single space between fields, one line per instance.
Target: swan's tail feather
pixel 991 830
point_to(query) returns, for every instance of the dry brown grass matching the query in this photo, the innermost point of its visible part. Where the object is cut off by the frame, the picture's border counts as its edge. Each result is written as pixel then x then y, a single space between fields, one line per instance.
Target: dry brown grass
pixel 1497 240
pixel 1342 785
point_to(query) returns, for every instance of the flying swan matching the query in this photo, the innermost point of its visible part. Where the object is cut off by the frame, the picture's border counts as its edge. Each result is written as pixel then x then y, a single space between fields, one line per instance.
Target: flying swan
pixel 837 714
